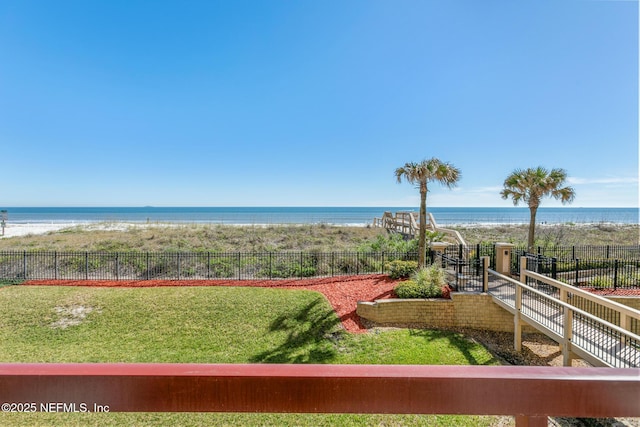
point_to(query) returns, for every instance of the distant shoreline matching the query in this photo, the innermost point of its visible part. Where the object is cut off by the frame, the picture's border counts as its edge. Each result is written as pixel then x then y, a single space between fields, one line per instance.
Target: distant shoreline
pixel 343 216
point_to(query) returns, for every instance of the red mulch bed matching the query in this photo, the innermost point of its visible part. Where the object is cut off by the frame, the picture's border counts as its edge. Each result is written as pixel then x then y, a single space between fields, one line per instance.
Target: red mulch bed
pixel 342 292
pixel 612 293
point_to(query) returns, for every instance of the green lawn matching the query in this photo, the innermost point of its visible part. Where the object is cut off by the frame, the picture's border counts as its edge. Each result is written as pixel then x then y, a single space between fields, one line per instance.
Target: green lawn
pixel 209 325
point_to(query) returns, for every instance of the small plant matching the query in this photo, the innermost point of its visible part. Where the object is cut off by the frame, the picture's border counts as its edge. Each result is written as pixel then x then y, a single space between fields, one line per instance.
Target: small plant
pixel 409 289
pixel 401 269
pixel 432 277
pixel 427 282
pixel 601 282
pixel 391 243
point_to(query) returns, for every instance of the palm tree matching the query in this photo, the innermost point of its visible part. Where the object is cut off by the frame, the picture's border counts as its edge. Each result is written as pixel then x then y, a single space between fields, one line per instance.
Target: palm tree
pixel 531 185
pixel 420 174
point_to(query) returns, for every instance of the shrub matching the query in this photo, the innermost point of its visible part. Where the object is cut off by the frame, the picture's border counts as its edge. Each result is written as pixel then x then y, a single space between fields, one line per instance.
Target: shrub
pixel 408 289
pixel 425 283
pixel 390 243
pixel 401 269
pixel 623 281
pixel 432 279
pixel 601 282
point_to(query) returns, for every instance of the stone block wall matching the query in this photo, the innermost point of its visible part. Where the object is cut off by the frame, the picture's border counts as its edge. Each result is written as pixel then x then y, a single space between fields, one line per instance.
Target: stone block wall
pixel 463 310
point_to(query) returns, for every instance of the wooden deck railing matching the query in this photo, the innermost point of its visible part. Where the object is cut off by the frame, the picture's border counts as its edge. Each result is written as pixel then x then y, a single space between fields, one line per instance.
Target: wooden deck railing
pixel 531 394
pixel 406 223
pixel 548 308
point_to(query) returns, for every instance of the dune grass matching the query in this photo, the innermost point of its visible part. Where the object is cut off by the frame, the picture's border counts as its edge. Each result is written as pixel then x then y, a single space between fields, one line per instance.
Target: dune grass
pixel 209 325
pixel 196 237
pixel 310 237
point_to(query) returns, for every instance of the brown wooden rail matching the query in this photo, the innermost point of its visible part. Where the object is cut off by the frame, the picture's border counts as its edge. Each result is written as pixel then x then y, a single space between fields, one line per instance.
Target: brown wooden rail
pixel 529 393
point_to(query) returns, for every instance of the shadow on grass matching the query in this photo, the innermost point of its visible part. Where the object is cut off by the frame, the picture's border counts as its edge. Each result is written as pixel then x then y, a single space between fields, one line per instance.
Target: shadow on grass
pixel 463 344
pixel 311 333
pixel 10 282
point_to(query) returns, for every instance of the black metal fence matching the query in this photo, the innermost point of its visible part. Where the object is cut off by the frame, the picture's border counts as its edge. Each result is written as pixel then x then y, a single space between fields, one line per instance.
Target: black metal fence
pixel 593 273
pixel 587 252
pixel 463 265
pixel 609 266
pixel 190 266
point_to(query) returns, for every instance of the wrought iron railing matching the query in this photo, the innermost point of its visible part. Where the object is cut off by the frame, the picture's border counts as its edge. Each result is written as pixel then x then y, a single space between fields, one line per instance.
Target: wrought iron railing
pixel 592 273
pixel 191 265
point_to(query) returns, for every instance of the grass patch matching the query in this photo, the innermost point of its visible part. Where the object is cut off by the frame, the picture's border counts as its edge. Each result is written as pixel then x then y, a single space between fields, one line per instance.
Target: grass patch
pixel 209 325
pixel 10 282
pixel 226 419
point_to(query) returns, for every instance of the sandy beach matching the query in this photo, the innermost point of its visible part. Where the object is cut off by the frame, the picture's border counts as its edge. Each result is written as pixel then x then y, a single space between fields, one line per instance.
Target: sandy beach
pixel 16 230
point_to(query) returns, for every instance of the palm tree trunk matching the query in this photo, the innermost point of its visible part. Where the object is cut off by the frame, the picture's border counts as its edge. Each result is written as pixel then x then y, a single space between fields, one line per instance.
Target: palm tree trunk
pixel 532 229
pixel 422 235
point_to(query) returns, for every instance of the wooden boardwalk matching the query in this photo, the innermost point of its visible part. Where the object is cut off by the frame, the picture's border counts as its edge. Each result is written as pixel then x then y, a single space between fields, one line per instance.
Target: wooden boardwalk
pixel 406 223
pixel 580 333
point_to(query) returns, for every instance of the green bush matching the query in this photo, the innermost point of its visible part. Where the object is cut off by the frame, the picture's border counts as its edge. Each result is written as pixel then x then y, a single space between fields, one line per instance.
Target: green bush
pixel 408 289
pixel 389 243
pixel 401 269
pixel 425 283
pixel 623 281
pixel 601 282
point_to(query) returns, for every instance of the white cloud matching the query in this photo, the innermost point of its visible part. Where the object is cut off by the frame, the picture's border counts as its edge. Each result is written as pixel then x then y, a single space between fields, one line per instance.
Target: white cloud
pixel 607 180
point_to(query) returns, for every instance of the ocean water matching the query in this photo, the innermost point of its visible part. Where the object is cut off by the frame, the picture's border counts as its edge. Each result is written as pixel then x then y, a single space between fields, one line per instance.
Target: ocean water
pixel 359 216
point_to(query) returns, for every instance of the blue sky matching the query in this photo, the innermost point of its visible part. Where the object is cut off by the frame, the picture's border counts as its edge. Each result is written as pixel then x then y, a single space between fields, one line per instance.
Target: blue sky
pixel 313 103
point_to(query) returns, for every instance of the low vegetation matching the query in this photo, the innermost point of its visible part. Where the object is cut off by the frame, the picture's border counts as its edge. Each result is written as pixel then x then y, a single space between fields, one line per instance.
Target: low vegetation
pixel 401 269
pixel 427 282
pixel 556 235
pixel 309 238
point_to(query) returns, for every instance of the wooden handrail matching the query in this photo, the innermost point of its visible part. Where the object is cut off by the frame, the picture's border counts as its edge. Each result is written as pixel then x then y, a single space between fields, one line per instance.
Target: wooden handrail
pixel 565 337
pixel 565 305
pixel 563 287
pixel 456 235
pixel 529 393
pixel 406 223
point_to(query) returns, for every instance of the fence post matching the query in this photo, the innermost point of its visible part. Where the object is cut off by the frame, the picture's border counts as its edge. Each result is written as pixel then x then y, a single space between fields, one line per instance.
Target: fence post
pixel 332 263
pixel 24 265
pixel 117 267
pixel 485 274
pixel 147 265
pixel 517 320
pixel 523 268
pixel 208 264
pixel 55 265
pixel 383 262
pixel 615 274
pixel 239 274
pixel 577 270
pixel 567 336
pixel 86 265
pixel 554 268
